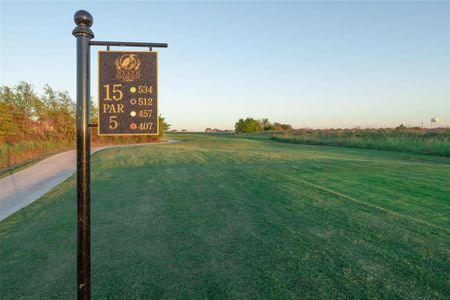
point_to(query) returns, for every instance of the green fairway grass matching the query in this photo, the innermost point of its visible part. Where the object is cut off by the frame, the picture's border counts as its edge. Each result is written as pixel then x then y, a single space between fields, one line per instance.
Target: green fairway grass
pixel 225 218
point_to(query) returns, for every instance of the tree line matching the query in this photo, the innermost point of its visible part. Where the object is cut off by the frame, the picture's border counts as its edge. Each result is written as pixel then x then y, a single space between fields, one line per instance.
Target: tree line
pixel 24 114
pixel 250 125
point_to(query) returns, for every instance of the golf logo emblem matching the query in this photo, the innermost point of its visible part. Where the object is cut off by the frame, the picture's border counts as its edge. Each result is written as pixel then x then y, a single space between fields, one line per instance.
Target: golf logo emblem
pixel 128 67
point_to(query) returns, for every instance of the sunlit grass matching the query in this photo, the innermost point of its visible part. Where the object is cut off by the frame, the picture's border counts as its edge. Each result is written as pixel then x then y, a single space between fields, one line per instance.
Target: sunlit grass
pixel 215 217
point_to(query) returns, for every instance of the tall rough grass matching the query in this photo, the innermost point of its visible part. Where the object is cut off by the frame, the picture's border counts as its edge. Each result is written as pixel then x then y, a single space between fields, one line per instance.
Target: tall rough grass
pixel 14 155
pixel 413 140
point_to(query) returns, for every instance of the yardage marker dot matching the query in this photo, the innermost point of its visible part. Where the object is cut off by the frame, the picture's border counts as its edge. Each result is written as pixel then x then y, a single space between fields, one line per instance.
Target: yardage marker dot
pixel 133 113
pixel 133 89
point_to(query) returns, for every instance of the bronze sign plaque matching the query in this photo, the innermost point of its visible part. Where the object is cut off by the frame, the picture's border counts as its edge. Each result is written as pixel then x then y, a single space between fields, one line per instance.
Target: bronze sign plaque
pixel 127 93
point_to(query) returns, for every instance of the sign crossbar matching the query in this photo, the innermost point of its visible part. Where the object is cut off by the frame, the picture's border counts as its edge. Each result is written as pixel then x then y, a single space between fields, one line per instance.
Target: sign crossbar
pixel 128 44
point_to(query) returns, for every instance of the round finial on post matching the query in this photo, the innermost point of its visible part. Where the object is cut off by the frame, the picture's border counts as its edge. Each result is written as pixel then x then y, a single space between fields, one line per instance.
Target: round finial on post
pixel 84 20
pixel 83 17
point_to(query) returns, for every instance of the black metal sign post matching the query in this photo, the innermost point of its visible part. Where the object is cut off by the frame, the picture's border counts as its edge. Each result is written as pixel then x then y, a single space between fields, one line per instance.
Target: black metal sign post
pixel 84 34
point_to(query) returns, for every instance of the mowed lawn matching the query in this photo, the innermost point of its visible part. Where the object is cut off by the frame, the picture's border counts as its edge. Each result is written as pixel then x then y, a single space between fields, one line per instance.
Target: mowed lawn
pixel 227 218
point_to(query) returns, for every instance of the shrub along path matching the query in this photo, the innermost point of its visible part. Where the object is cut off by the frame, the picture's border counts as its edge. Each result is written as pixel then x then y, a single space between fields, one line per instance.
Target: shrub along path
pixel 223 218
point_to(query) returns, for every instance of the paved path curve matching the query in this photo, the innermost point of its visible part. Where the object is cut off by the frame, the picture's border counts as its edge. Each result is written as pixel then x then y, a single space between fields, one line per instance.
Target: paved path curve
pixel 24 187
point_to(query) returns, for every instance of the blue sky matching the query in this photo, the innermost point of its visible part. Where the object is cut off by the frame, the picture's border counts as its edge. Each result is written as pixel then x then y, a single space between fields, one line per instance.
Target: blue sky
pixel 310 64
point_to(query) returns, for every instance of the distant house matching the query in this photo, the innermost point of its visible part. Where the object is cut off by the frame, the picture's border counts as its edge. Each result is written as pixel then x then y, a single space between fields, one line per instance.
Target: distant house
pixel 184 130
pixel 208 130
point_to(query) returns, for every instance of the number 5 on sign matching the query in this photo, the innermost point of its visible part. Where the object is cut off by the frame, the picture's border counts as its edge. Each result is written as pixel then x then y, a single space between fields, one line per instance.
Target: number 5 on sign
pixel 113 124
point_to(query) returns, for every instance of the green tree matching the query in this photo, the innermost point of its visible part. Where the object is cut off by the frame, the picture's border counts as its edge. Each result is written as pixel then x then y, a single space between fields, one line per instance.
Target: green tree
pixel 58 113
pixel 19 106
pixel 163 125
pixel 281 127
pixel 11 125
pixel 26 100
pixel 249 125
pixel 93 111
pixel 266 124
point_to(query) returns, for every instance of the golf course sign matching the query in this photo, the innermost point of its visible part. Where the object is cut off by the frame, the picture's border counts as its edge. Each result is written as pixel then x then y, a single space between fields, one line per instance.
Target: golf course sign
pixel 127 93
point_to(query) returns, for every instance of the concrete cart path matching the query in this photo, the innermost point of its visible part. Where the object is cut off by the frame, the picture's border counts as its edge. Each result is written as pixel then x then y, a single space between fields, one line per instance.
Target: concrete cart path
pixel 24 187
